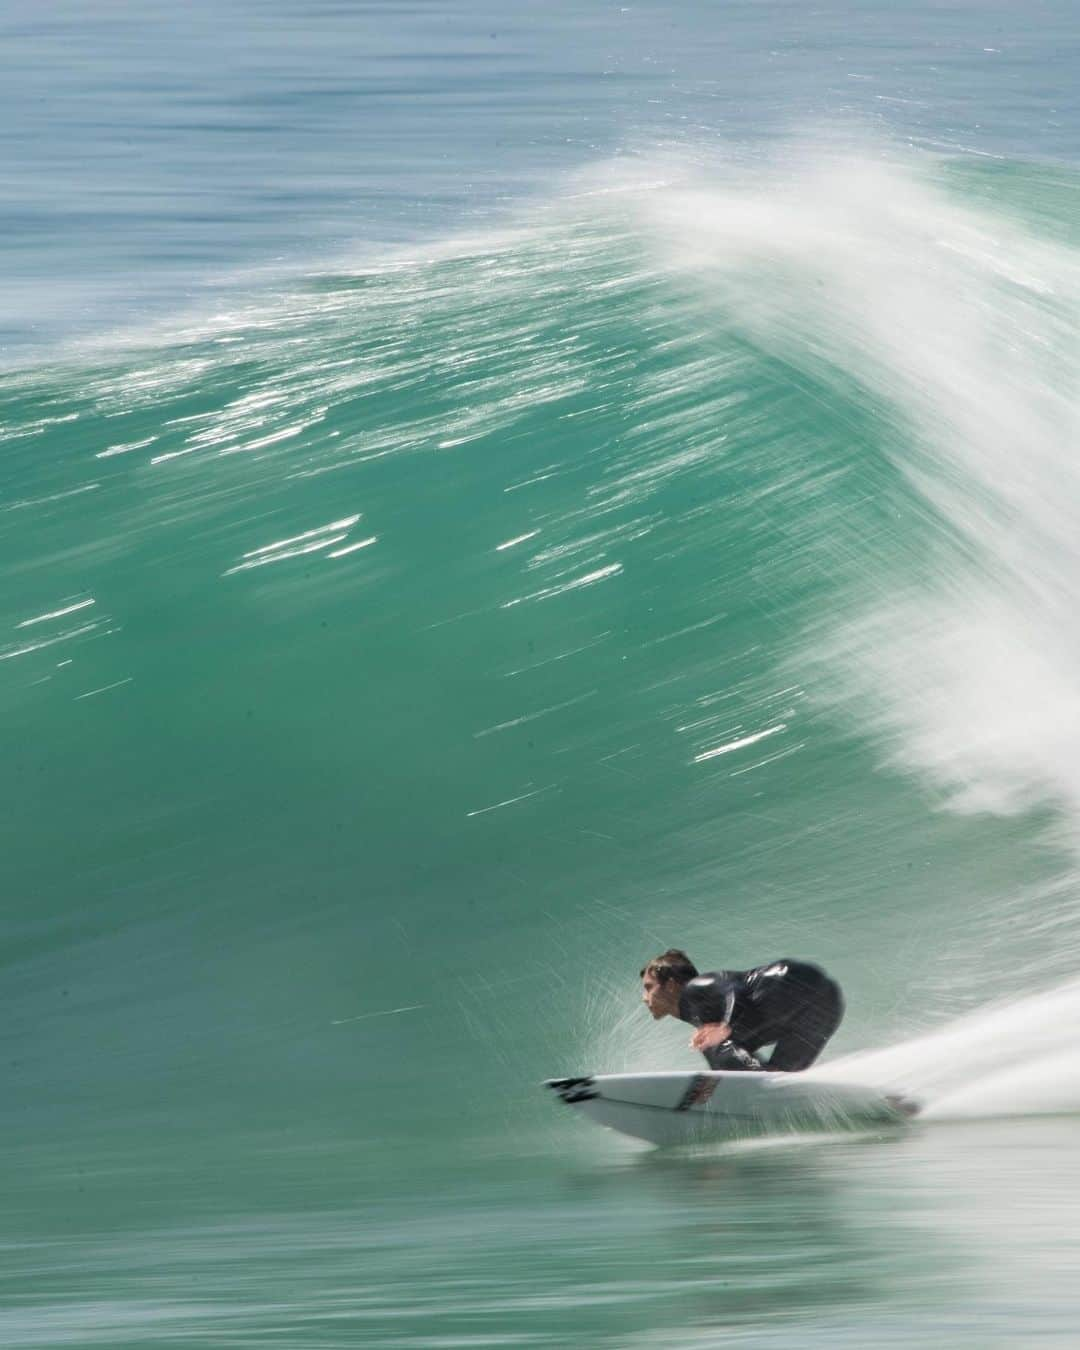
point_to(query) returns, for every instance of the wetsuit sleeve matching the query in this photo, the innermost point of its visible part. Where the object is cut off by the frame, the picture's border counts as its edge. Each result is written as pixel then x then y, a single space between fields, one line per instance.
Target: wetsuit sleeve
pixel 709 998
pixel 716 998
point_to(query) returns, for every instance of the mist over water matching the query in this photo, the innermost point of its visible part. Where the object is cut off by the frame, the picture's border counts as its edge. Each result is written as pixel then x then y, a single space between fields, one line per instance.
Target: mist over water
pixel 396 655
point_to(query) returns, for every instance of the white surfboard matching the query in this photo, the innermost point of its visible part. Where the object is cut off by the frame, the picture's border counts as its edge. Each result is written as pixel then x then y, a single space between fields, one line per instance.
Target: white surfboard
pixel 690 1108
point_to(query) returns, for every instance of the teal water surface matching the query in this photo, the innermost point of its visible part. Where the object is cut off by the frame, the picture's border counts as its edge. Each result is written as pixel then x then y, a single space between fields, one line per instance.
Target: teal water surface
pixel 656 526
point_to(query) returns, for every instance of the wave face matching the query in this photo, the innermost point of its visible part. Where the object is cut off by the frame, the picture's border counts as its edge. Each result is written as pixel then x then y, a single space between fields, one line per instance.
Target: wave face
pixel 392 662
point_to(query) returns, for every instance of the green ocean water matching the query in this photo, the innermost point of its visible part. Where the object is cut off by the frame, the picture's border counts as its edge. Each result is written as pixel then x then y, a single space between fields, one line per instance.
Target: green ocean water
pixel 397 651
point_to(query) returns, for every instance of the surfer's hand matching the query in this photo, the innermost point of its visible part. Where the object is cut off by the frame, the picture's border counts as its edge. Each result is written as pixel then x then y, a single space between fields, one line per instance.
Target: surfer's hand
pixel 712 1033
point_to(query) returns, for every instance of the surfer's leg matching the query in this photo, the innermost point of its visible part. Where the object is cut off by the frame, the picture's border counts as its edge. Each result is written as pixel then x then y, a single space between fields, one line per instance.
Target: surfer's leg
pixel 810 1025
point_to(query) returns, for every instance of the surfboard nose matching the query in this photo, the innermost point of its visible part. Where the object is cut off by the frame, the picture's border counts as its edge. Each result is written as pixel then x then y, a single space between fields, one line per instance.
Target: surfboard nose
pixel 572 1090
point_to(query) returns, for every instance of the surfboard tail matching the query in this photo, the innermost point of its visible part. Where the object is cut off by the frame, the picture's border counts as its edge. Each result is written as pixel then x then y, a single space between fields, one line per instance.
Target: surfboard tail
pixel 905 1106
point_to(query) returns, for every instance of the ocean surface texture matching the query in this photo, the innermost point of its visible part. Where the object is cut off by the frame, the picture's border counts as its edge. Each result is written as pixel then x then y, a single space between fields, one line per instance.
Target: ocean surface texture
pixel 488 492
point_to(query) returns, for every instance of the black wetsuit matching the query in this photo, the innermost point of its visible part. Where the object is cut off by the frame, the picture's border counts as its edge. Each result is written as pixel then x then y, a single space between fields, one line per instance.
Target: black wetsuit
pixel 791 1005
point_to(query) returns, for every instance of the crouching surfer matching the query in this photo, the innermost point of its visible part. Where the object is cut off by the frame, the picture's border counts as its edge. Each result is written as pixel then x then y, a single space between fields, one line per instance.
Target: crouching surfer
pixel 791 1005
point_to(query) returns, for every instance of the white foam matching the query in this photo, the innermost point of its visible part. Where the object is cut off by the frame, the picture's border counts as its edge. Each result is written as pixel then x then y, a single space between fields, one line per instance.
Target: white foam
pixel 1016 1058
pixel 958 325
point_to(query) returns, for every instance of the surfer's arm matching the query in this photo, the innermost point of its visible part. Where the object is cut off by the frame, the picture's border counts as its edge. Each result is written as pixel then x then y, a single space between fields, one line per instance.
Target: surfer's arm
pixel 710 1034
pixel 709 1001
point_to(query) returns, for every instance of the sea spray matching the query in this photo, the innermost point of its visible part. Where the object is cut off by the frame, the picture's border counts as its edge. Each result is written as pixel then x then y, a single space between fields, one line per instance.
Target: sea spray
pixel 1015 1058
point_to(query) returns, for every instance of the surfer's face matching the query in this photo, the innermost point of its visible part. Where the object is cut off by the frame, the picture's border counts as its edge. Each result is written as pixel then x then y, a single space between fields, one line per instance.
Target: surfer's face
pixel 662 1000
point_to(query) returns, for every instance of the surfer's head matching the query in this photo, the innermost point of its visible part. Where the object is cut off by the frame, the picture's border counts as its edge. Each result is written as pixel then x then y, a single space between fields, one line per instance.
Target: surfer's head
pixel 662 981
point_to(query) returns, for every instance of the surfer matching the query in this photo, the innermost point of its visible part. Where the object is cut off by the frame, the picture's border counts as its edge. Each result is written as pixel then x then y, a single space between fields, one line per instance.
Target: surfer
pixel 791 1005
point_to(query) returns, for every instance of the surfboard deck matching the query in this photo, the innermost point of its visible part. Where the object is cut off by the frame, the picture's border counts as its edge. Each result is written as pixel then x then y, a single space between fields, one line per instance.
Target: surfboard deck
pixel 687 1108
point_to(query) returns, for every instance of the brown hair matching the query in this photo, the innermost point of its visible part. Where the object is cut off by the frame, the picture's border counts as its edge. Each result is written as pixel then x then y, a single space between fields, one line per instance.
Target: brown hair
pixel 670 965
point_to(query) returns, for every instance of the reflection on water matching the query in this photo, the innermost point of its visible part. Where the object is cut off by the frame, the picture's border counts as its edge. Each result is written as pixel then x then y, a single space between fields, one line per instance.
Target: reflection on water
pixel 756 1235
pixel 893 1241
